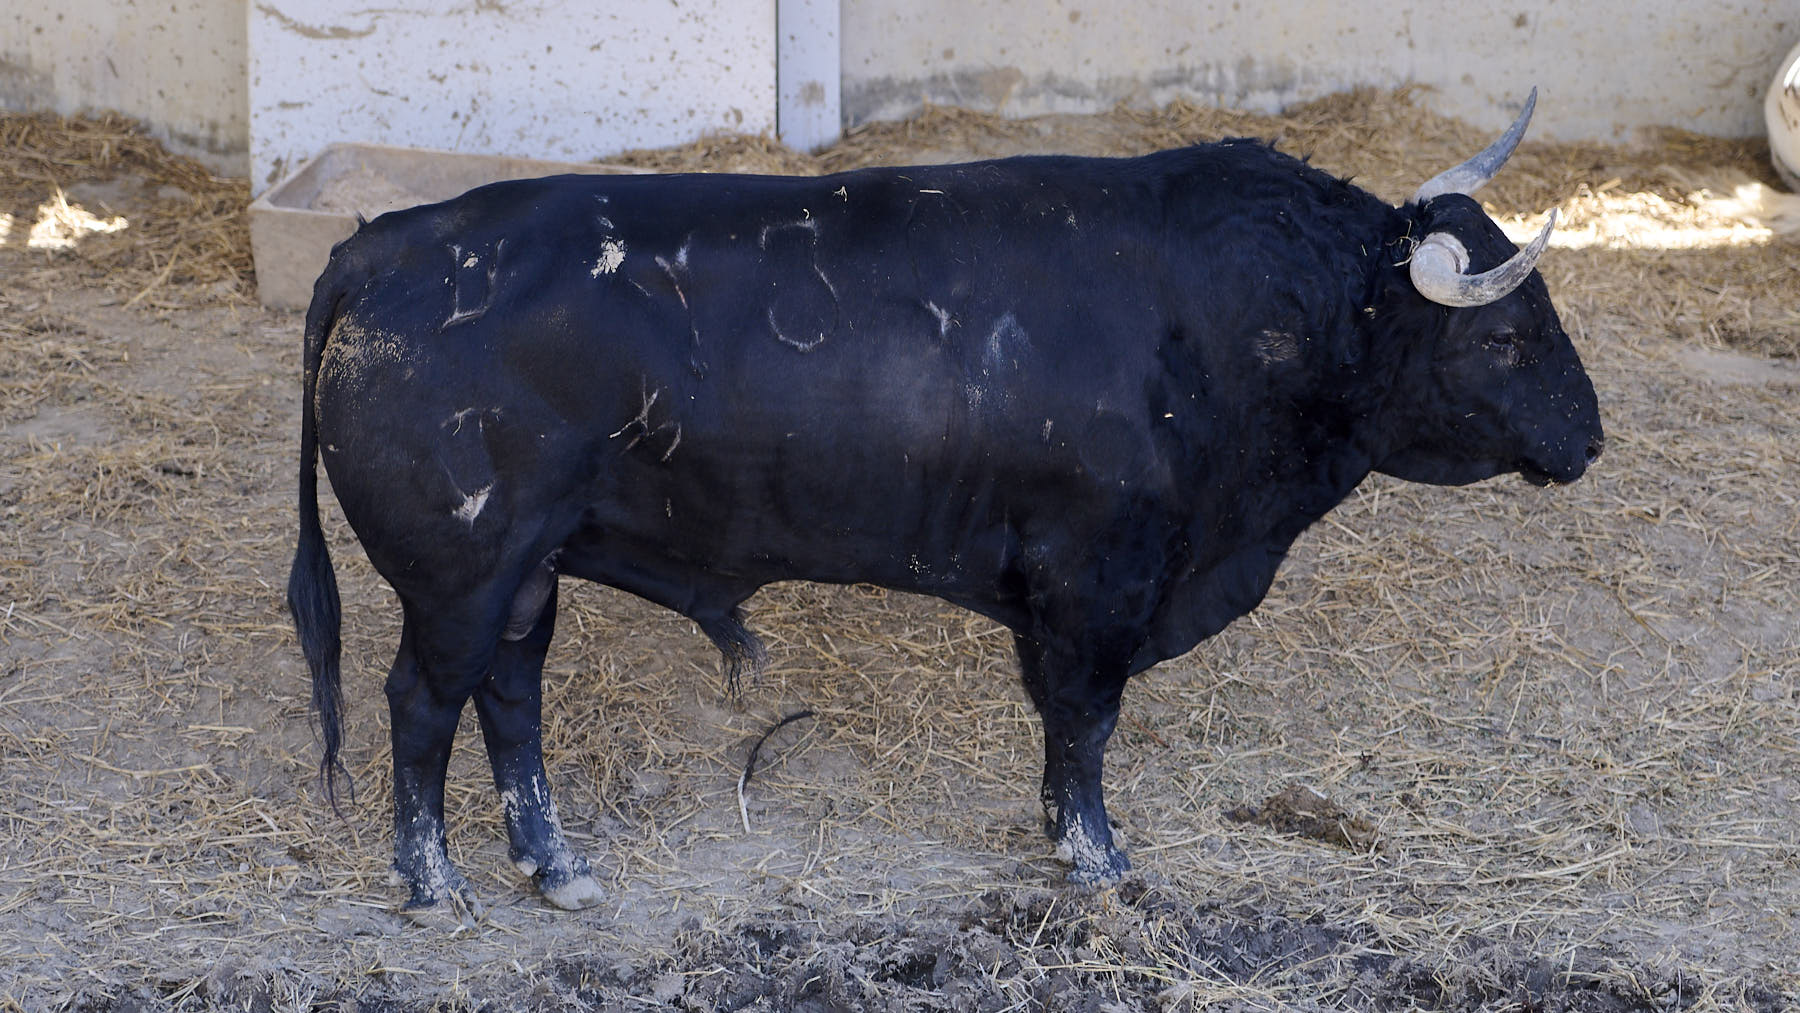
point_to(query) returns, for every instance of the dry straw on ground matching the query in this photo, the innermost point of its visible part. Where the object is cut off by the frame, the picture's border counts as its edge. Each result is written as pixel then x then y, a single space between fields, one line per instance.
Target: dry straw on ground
pixel 189 235
pixel 1570 716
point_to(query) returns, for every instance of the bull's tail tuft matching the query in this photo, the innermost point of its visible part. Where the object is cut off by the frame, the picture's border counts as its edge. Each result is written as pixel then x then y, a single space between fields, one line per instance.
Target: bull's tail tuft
pixel 741 649
pixel 312 593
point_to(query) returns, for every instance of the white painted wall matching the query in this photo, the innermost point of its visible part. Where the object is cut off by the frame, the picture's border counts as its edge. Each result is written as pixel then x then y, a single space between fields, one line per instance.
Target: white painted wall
pixel 1604 67
pixel 544 77
pixel 176 64
pixel 557 80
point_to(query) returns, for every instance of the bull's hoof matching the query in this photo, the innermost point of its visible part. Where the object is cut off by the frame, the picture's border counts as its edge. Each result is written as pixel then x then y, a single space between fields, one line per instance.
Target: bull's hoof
pixel 450 907
pixel 458 912
pixel 566 882
pixel 573 894
pixel 1105 873
pixel 1096 860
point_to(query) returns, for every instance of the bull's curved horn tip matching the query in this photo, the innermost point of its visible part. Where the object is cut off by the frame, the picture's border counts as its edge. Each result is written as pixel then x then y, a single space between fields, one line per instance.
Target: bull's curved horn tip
pixel 1474 173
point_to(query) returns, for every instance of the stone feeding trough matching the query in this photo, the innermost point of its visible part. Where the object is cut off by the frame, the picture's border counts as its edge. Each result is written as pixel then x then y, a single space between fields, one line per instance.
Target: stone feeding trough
pixel 295 223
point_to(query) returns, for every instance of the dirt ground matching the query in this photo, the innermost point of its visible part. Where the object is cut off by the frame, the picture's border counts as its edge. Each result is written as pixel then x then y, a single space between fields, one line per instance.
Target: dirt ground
pixel 1547 741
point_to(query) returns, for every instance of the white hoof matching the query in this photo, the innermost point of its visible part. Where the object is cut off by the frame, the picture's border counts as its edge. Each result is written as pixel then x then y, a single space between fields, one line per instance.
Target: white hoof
pixel 579 892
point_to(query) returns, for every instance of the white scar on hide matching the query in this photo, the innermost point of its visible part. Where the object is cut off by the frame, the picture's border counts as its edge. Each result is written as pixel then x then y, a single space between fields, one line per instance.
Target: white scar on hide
pixel 472 505
pixel 1005 343
pixel 807 222
pixel 674 269
pixel 612 254
pixel 514 807
pixel 459 287
pixel 943 318
pixel 460 417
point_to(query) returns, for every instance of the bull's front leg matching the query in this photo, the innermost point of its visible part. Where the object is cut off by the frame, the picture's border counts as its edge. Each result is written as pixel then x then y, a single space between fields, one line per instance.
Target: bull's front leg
pixel 1077 697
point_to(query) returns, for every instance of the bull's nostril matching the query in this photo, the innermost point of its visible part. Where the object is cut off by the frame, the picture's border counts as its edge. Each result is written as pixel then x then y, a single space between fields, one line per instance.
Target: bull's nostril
pixel 1594 447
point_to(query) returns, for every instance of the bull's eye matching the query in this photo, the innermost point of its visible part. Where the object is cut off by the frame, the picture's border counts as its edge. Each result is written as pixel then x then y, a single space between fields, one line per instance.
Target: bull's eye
pixel 1504 344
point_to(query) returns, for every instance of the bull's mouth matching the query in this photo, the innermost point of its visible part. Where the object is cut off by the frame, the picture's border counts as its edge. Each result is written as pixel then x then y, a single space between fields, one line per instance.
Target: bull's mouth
pixel 1536 476
pixel 1540 475
pixel 1559 469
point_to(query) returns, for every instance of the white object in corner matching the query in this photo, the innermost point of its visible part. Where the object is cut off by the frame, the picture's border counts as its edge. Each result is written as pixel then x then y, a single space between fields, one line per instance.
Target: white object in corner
pixel 1782 113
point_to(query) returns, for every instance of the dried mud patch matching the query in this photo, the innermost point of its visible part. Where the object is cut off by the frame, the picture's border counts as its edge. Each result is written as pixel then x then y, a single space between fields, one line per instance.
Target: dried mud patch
pixel 1134 948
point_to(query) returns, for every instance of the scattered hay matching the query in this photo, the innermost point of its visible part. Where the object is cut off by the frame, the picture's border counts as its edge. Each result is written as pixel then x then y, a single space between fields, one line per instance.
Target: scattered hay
pixel 184 233
pixel 59 225
pixel 1575 710
pixel 723 152
pixel 1662 199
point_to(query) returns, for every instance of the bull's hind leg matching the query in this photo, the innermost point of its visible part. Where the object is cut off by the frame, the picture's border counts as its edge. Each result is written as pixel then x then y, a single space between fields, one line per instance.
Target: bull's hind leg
pixel 510 705
pixel 426 690
pixel 1078 699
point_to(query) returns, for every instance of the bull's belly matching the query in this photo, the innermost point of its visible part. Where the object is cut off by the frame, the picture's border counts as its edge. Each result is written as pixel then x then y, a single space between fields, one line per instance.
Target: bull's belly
pixel 690 553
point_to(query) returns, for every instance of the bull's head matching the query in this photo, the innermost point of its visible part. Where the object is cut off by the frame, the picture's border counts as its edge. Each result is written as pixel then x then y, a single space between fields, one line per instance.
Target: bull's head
pixel 1492 384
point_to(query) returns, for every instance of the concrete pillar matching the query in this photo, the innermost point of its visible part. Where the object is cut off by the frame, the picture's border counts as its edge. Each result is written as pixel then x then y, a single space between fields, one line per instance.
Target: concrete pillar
pixel 808 113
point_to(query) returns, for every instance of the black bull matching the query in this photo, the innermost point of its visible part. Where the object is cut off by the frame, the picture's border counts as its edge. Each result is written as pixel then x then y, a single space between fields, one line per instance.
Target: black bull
pixel 1095 400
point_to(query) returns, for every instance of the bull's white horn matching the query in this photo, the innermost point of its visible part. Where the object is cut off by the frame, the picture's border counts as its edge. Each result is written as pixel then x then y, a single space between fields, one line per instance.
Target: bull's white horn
pixel 1440 260
pixel 1471 175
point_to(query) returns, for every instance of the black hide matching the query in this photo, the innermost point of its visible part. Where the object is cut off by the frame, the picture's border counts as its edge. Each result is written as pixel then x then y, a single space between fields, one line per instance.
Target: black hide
pixel 1095 400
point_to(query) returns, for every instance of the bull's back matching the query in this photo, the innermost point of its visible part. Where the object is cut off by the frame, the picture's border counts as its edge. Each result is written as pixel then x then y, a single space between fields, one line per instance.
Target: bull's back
pixel 768 376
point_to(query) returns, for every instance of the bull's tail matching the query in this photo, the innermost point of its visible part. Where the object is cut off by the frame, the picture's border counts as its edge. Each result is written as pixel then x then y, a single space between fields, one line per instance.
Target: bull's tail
pixel 312 593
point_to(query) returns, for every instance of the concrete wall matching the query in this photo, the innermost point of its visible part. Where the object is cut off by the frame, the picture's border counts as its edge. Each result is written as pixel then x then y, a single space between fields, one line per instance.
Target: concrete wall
pixel 471 75
pixel 176 64
pixel 1604 67
pixel 548 80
